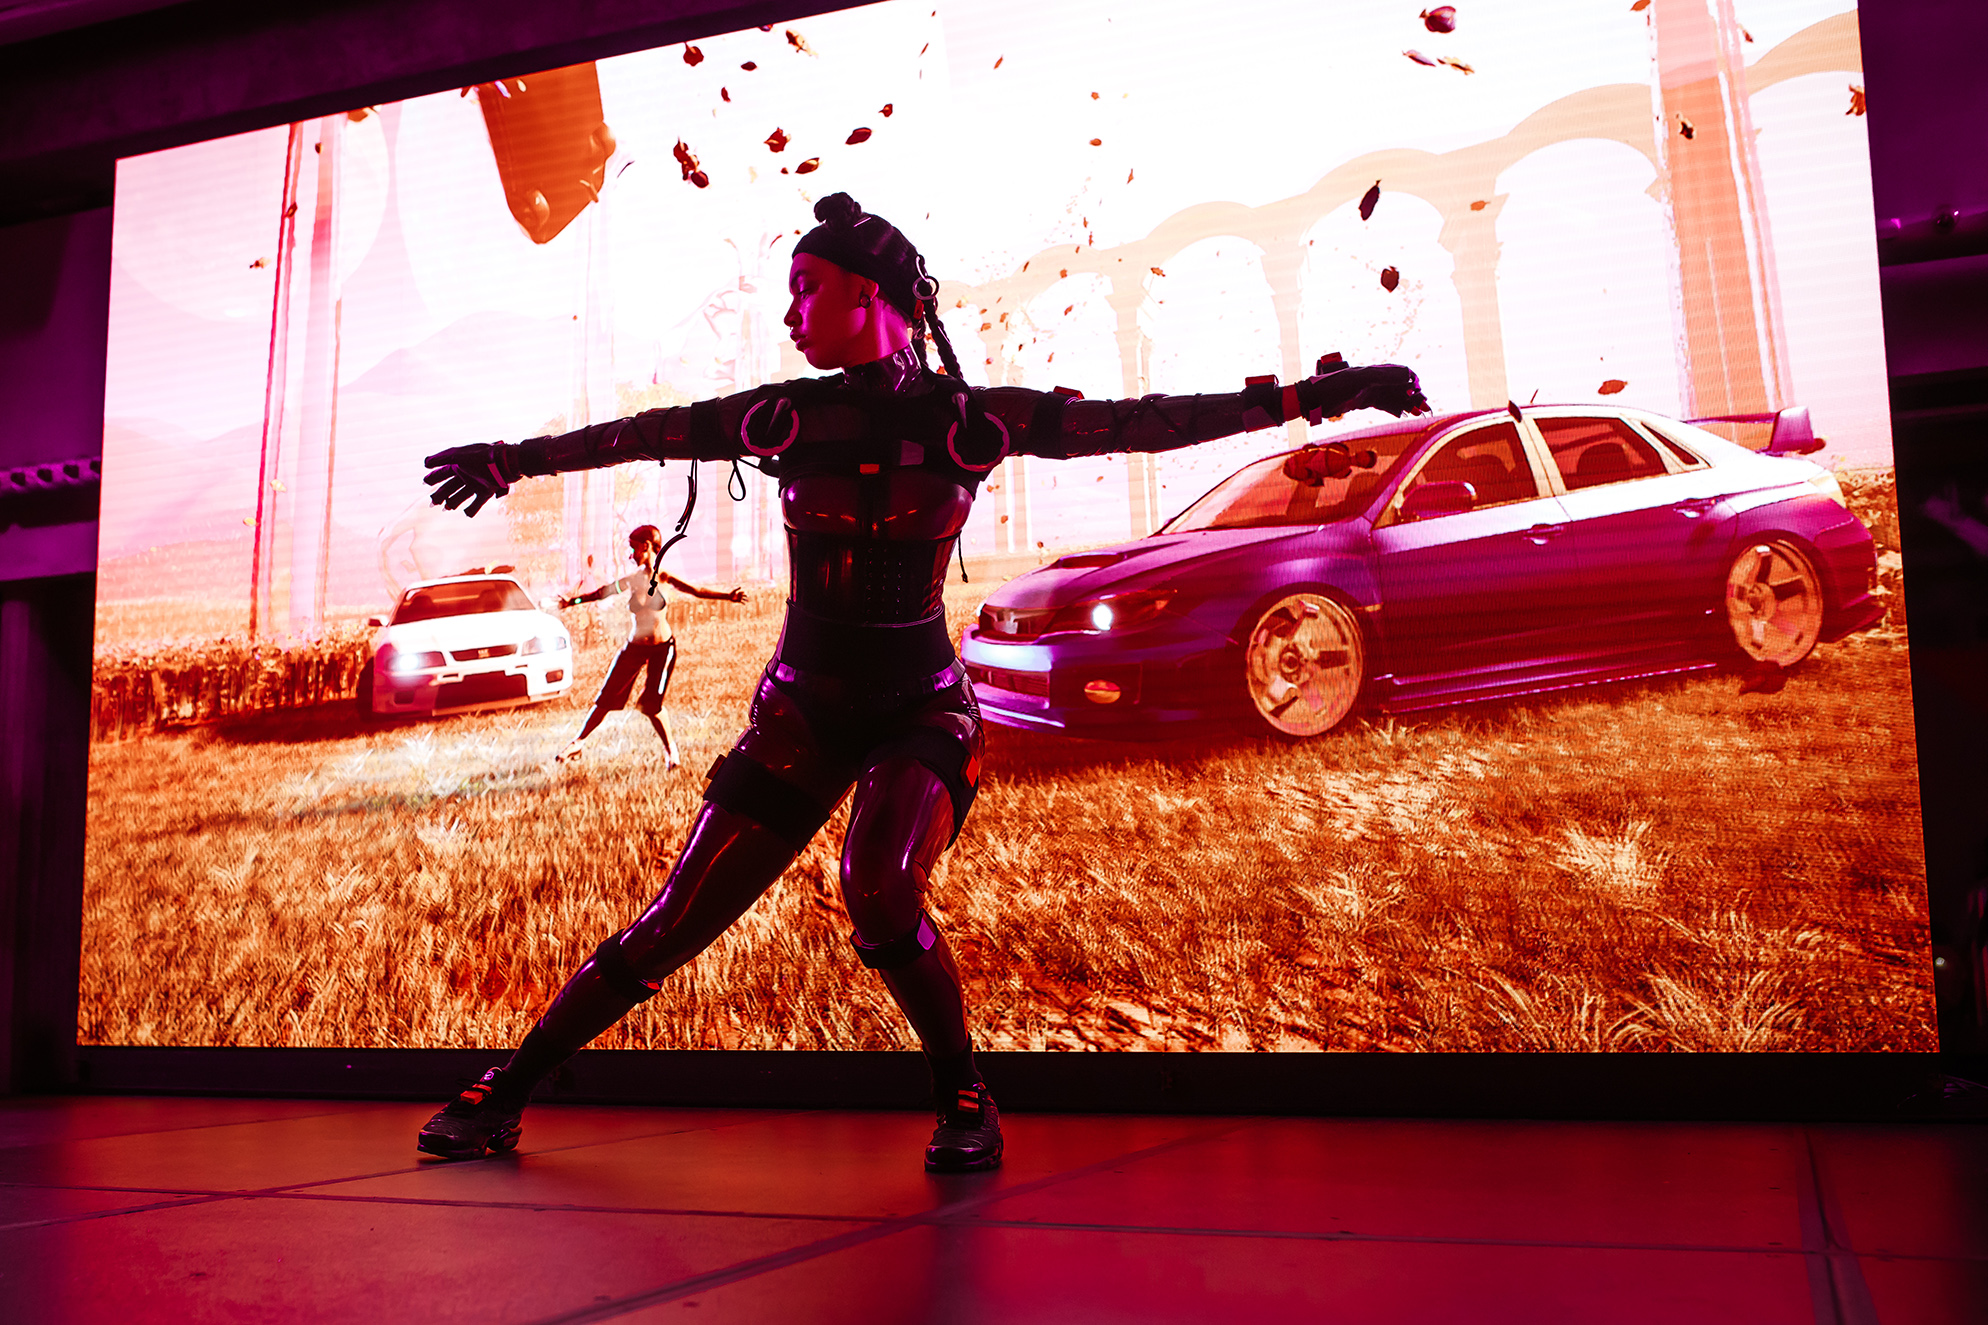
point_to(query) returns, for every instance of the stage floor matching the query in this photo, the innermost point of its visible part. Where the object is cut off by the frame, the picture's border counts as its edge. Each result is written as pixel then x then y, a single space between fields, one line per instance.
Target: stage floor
pixel 143 1209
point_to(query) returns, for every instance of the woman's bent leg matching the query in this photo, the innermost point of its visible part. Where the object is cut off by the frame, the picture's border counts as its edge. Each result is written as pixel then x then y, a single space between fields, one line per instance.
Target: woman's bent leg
pixel 899 824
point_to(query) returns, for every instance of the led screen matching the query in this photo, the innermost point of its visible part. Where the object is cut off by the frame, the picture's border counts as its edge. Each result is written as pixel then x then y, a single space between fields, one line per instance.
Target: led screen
pixel 1574 716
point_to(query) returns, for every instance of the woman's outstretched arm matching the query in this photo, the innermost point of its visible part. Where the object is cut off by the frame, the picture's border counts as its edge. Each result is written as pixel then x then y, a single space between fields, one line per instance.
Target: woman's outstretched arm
pixel 1061 427
pixel 707 430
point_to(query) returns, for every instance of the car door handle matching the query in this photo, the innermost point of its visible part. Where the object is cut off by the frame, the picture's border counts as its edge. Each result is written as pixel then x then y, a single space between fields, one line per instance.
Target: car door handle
pixel 1540 533
pixel 1695 507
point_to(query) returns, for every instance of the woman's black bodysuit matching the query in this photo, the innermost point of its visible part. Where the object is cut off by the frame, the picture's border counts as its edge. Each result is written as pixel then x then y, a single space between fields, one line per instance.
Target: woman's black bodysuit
pixel 877 470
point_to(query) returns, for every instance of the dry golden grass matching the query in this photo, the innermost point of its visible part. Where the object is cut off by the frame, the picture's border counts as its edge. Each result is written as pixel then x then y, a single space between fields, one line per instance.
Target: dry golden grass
pixel 1647 867
pixel 1650 867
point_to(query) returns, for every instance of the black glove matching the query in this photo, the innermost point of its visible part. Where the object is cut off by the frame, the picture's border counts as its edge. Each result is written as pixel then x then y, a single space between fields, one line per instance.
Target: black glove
pixel 1384 386
pixel 473 474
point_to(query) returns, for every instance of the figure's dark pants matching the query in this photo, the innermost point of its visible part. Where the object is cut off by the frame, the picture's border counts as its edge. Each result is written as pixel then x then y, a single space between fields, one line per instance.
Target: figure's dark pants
pixel 912 767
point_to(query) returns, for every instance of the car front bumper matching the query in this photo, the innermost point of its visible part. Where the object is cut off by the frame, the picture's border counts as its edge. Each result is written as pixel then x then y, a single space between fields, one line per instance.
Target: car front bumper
pixel 1097 684
pixel 492 683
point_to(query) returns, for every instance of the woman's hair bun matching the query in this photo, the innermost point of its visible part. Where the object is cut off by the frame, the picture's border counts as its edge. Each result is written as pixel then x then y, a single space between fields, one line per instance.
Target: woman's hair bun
pixel 838 207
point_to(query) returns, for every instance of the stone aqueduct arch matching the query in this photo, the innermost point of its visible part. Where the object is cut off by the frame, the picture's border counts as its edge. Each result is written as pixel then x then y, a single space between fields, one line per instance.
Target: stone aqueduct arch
pixel 1449 181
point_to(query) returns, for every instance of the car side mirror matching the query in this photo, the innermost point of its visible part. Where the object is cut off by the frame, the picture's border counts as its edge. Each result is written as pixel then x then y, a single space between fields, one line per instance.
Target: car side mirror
pixel 376 621
pixel 1445 498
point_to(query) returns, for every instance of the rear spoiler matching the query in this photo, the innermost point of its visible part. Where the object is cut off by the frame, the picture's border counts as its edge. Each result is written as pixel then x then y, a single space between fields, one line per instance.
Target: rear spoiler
pixel 1793 434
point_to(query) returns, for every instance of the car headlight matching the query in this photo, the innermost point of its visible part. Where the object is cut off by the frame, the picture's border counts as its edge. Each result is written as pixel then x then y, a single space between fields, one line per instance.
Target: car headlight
pixel 1117 612
pixel 402 662
pixel 549 643
pixel 1826 484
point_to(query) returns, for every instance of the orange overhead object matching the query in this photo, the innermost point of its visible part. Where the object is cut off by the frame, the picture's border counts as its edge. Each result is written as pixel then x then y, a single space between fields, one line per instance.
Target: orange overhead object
pixel 551 145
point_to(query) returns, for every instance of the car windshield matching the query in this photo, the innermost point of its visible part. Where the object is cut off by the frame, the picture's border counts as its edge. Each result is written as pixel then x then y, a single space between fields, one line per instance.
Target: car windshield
pixel 462 598
pixel 1261 494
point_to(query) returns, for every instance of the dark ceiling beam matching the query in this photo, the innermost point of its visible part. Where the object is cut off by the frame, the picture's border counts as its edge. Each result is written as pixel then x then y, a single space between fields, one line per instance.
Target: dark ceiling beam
pixel 73 102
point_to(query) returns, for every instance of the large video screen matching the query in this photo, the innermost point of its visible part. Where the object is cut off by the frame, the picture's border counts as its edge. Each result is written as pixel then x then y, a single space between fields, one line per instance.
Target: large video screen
pixel 1572 716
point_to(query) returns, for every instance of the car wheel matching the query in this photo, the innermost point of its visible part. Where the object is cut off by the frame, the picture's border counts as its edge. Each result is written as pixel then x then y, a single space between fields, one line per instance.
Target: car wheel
pixel 364 699
pixel 1304 662
pixel 1774 603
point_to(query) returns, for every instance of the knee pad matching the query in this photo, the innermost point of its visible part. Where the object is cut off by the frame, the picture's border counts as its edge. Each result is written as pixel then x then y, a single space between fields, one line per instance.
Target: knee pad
pixel 743 786
pixel 901 951
pixel 615 972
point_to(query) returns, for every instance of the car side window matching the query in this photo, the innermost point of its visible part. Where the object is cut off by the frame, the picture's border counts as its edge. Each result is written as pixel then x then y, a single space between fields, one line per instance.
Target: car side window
pixel 1591 452
pixel 1491 459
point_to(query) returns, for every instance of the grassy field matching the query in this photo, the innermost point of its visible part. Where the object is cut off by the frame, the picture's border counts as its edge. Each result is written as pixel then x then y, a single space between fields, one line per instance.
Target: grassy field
pixel 1658 866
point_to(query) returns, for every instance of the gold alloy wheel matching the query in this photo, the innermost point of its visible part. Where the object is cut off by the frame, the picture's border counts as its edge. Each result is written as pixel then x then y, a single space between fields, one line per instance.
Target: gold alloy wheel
pixel 1774 603
pixel 1303 663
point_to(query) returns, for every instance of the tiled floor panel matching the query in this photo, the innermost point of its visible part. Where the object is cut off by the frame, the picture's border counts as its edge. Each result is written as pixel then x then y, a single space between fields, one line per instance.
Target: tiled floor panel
pixel 133 1210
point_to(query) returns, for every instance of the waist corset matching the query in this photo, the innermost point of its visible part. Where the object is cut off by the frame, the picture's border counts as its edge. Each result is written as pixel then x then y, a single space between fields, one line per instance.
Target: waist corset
pixel 867 581
pixel 868 657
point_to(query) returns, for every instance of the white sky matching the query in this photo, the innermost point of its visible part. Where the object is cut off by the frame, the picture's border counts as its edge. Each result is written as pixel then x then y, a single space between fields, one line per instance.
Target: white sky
pixel 1248 102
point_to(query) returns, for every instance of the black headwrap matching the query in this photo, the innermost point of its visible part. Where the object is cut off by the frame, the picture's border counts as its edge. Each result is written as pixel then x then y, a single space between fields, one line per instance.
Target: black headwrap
pixel 868 245
pixel 872 247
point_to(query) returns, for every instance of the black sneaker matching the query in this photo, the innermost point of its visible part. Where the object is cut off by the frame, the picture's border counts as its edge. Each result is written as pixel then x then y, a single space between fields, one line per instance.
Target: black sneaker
pixel 968 1137
pixel 477 1120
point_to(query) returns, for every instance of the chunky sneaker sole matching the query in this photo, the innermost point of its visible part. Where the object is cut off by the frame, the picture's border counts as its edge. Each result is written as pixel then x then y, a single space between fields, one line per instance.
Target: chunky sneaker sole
pixel 968 1137
pixel 472 1124
pixel 450 1146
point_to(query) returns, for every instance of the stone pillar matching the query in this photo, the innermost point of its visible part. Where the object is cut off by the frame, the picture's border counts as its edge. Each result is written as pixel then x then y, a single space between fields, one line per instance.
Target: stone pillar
pixel 1472 240
pixel 1727 292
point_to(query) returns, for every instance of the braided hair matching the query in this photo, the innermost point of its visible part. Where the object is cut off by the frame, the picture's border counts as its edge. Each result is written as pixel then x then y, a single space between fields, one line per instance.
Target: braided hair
pixel 874 248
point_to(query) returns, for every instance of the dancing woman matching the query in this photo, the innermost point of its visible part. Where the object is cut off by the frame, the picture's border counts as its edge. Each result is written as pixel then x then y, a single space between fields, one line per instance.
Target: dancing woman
pixel 877 469
pixel 651 643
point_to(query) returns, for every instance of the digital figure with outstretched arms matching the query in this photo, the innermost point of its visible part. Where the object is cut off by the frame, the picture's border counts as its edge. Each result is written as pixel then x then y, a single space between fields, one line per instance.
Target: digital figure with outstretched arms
pixel 651 645
pixel 877 468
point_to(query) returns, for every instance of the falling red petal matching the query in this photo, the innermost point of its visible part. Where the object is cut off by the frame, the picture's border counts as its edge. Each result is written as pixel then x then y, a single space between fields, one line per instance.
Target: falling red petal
pixel 749 66
pixel 1856 100
pixel 1128 177
pixel 1094 96
pixel 1440 19
pixel 1062 273
pixel 1097 142
pixel 798 42
pixel 1480 204
pixel 1419 58
pixel 1612 386
pixel 777 140
pixel 888 107
pixel 1389 279
pixel 808 166
pixel 857 136
pixel 693 56
pixel 997 61
pixel 1639 6
pixel 1157 272
pixel 725 94
pixel 1370 200
pixel 1686 128
pixel 700 179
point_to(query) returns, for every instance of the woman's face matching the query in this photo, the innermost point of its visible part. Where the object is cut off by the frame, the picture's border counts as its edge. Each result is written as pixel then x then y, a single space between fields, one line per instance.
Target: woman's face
pixel 641 551
pixel 830 322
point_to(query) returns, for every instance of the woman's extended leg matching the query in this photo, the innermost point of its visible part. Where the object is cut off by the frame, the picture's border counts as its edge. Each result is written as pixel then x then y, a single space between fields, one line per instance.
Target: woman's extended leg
pixel 900 822
pixel 728 862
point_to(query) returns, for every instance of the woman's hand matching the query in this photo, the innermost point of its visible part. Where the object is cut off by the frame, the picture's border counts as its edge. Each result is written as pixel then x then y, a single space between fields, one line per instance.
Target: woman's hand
pixel 737 595
pixel 1383 386
pixel 473 474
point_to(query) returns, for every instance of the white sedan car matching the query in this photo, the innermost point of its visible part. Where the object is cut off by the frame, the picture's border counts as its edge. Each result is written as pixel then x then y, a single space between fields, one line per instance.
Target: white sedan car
pixel 462 644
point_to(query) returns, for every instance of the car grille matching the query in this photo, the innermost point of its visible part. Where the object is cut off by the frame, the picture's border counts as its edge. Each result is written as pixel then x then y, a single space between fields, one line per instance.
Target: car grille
pixel 1016 622
pixel 1022 683
pixel 478 655
pixel 484 689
